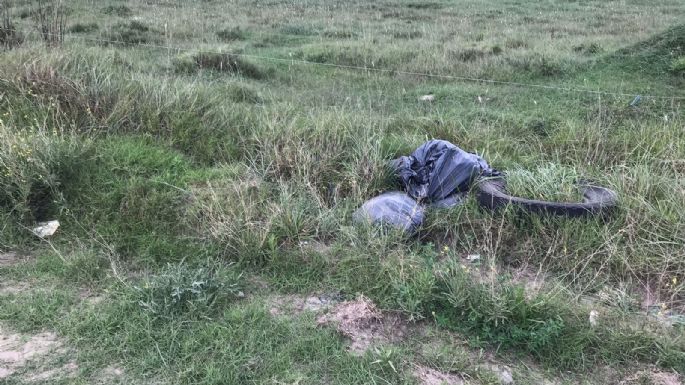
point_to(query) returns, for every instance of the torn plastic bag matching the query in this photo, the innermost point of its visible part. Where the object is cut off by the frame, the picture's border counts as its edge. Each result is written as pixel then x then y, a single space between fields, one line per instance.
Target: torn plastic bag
pixel 393 208
pixel 438 169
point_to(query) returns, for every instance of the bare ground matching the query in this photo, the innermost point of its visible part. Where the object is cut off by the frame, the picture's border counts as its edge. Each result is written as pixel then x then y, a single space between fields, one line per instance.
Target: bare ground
pixel 430 376
pixel 16 350
pixel 364 324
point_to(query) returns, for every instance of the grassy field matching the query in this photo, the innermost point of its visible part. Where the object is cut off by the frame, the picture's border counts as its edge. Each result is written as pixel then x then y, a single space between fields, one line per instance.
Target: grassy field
pixel 204 159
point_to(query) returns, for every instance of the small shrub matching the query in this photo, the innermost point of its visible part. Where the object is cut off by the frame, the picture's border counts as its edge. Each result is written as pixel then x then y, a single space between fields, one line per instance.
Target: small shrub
pixel 84 27
pixel 117 10
pixel 515 44
pixel 407 34
pixel 30 163
pixel 347 55
pixel 131 33
pixel 469 54
pixel 221 62
pixel 678 65
pixel 50 20
pixel 339 34
pixel 588 49
pixel 181 290
pixel 231 34
pixel 243 93
pixel 25 13
pixel 69 98
pixel 496 50
pixel 10 37
pixel 298 30
pixel 536 65
pixel 425 5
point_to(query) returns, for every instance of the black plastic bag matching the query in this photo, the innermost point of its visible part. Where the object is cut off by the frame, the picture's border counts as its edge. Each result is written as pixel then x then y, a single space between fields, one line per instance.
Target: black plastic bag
pixel 438 169
pixel 437 174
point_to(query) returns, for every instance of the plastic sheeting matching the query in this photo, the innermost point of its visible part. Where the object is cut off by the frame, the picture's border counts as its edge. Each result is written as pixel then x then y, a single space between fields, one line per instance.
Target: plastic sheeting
pixel 393 208
pixel 438 169
pixel 436 174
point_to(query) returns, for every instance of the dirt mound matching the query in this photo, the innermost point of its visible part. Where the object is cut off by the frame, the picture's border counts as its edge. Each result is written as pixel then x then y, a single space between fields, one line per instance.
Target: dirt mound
pixel 430 376
pixel 365 325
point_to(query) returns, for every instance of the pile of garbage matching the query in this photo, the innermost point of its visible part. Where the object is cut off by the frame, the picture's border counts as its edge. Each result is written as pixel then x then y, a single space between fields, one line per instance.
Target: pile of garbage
pixel 439 174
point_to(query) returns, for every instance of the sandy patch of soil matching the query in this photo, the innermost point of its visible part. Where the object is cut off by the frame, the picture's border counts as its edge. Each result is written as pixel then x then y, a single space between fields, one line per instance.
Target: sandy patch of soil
pixel 16 350
pixel 364 324
pixel 429 376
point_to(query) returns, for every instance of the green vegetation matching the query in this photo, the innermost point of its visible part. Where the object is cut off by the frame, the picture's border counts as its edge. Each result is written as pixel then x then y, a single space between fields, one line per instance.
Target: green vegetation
pixel 550 182
pixel 201 171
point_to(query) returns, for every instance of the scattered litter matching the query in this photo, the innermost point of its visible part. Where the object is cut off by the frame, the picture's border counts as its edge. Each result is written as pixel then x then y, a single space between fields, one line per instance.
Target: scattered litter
pixel 473 257
pixel 593 318
pixel 438 174
pixel 636 101
pixel 46 229
pixel 427 98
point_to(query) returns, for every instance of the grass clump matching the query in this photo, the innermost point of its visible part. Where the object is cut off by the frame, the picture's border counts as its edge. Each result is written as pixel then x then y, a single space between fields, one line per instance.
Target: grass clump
pixel 678 65
pixel 50 20
pixel 183 290
pixel 130 33
pixel 588 49
pixel 84 27
pixel 10 37
pixel 548 328
pixel 30 165
pixel 550 182
pixel 231 34
pixel 117 10
pixel 219 62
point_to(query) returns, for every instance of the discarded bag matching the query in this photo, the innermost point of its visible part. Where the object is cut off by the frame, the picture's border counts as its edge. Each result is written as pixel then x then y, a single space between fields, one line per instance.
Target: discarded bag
pixel 435 175
pixel 393 208
pixel 438 169
pixel 438 174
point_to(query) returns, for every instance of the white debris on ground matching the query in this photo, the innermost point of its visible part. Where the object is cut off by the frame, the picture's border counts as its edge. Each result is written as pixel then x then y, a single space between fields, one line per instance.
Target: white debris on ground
pixel 594 314
pixel 427 98
pixel 46 229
